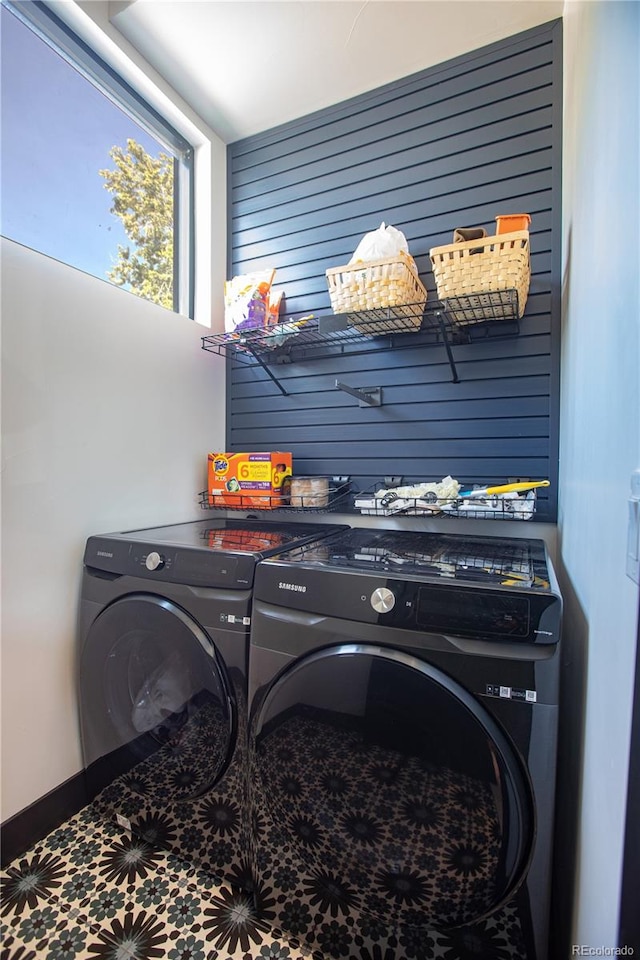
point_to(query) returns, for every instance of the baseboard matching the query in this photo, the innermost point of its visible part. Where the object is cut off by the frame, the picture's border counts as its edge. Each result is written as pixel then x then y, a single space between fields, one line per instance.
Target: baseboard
pixel 34 822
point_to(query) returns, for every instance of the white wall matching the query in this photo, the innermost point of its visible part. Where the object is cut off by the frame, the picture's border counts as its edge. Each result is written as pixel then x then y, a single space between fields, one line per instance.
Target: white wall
pixel 109 408
pixel 600 428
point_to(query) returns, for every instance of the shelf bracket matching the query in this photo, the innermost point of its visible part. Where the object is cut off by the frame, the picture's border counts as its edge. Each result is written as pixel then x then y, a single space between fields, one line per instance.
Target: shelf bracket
pixel 366 396
pixel 258 359
pixel 447 346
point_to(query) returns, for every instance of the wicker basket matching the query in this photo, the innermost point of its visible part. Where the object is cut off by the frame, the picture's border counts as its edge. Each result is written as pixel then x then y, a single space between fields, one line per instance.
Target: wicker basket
pixel 483 266
pixel 375 286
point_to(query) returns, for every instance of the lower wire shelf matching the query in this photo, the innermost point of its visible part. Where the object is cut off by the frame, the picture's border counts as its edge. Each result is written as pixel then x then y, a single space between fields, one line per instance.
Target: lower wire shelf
pixel 338 498
pixel 370 503
pixel 519 507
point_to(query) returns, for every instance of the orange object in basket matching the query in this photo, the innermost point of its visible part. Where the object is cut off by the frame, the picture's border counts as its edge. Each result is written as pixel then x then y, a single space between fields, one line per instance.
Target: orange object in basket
pixel 512 221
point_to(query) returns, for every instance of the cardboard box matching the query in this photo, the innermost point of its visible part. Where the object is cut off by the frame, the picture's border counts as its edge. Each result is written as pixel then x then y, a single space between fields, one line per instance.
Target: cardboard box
pixel 255 480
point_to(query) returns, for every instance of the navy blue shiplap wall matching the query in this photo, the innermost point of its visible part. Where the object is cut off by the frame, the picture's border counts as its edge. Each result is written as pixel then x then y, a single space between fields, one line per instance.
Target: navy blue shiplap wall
pixel 451 146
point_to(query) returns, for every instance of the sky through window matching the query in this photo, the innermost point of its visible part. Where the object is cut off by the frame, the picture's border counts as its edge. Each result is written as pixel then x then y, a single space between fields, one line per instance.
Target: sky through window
pixel 57 131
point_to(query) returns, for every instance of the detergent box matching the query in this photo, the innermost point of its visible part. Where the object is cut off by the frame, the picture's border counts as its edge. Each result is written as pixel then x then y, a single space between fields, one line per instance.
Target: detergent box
pixel 257 480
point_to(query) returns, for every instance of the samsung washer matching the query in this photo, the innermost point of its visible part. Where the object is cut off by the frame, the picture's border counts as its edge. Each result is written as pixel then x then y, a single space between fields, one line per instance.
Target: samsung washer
pixel 404 705
pixel 164 624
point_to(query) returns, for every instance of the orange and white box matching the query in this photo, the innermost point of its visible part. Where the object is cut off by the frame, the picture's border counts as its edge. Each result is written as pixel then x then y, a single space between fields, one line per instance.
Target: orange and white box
pixel 248 479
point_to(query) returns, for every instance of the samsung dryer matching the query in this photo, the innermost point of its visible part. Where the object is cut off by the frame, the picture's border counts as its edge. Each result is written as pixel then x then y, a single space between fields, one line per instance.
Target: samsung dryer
pixel 163 628
pixel 404 705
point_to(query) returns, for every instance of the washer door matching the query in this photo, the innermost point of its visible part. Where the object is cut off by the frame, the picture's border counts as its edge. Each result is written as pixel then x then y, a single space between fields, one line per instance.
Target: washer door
pixel 400 795
pixel 154 697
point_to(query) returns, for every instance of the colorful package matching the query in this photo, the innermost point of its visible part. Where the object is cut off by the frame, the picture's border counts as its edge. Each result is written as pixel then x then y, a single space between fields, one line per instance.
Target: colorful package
pixel 246 301
pixel 273 310
pixel 256 480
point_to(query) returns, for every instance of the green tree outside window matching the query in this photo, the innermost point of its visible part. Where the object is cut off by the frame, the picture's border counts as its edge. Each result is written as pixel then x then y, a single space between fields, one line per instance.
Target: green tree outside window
pixel 143 190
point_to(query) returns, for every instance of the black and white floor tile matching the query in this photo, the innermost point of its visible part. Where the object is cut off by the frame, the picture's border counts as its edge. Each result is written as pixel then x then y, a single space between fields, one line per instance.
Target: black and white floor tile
pixel 351 845
pixel 89 890
pixel 356 845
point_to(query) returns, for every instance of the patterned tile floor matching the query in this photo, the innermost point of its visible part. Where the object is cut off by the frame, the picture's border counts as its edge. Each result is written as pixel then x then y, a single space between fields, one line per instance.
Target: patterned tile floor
pixel 332 818
pixel 89 891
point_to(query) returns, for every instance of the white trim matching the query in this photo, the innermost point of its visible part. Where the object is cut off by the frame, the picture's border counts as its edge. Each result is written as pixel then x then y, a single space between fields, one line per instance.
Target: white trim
pixel 195 132
pixel 92 34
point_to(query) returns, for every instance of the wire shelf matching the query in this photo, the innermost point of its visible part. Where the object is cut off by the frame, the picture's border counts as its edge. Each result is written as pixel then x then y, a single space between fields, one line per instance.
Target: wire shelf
pixel 381 501
pixel 339 497
pixel 403 325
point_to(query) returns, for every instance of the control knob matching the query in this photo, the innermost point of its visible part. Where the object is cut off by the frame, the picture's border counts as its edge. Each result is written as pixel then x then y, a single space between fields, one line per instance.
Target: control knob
pixel 382 600
pixel 154 561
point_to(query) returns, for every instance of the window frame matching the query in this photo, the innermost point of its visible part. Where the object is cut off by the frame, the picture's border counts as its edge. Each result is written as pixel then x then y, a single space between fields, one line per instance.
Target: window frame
pixel 61 36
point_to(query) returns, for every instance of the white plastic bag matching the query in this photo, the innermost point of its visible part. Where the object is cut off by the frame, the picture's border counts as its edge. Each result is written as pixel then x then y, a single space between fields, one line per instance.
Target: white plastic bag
pixel 381 244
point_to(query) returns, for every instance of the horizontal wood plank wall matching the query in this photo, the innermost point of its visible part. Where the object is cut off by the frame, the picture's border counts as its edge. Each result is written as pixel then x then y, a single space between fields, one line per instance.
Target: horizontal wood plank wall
pixel 451 146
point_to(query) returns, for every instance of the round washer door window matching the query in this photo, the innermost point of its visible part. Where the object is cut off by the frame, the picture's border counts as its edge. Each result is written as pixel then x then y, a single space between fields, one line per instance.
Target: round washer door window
pixel 155 701
pixel 400 796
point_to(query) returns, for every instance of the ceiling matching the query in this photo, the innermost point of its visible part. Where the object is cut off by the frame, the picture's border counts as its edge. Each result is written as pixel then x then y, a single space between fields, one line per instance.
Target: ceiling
pixel 248 65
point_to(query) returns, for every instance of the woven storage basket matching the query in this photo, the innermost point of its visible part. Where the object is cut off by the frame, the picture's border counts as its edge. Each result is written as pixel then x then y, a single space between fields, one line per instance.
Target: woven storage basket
pixel 499 263
pixel 376 285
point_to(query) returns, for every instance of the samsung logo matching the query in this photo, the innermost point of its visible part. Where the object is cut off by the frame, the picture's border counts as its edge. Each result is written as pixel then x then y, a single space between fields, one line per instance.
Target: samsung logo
pixel 296 587
pixel 104 553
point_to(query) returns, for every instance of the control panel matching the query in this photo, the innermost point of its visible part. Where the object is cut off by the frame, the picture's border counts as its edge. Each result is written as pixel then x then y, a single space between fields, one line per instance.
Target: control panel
pixel 169 563
pixel 464 609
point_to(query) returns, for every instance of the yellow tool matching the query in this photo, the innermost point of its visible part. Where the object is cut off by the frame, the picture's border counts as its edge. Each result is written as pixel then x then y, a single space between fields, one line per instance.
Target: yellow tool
pixel 506 488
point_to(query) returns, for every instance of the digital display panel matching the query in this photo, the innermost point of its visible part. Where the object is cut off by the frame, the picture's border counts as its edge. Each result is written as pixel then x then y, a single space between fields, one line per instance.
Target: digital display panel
pixel 476 612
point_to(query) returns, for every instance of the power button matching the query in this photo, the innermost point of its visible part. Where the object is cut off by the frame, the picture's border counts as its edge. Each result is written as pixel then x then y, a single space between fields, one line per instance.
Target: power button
pixel 383 600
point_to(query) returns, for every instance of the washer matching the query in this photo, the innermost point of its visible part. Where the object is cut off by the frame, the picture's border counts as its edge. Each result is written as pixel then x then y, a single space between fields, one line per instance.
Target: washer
pixel 163 626
pixel 404 706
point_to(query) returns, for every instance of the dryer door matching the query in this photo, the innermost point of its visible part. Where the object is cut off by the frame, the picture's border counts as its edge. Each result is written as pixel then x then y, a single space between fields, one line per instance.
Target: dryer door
pixel 155 701
pixel 400 796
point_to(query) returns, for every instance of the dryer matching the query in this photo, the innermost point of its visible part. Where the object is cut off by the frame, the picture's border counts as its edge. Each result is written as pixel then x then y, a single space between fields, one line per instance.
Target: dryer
pixel 404 705
pixel 164 623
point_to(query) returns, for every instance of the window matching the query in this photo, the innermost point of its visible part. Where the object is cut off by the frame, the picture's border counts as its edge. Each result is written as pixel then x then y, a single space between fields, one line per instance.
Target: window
pixel 92 175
